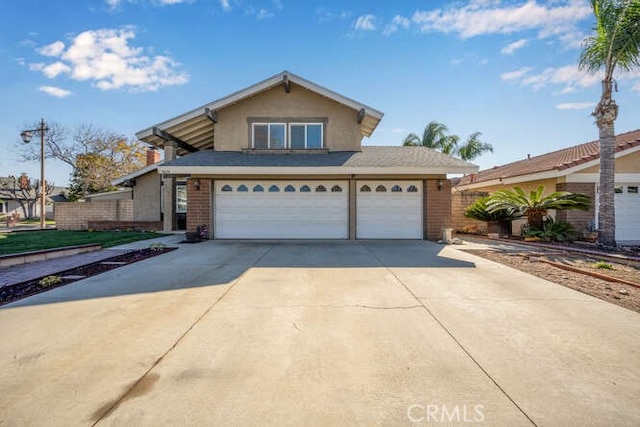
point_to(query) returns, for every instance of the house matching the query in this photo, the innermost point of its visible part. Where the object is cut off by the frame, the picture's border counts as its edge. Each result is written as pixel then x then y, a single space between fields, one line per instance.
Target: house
pixel 574 169
pixel 13 200
pixel 284 159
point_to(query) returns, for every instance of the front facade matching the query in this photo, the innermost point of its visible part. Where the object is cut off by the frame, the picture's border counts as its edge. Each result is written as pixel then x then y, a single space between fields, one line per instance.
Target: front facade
pixel 574 169
pixel 284 159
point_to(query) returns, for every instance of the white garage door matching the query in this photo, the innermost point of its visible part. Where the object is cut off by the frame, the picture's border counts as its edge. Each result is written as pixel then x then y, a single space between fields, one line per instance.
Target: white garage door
pixel 389 210
pixel 627 208
pixel 281 210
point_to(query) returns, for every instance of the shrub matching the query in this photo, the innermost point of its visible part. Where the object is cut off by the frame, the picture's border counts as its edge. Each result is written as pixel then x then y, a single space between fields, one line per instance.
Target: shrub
pixel 552 231
pixel 45 282
pixel 603 265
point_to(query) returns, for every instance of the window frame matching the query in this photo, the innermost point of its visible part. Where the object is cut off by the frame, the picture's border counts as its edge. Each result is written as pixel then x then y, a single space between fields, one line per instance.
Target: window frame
pixel 268 125
pixel 306 135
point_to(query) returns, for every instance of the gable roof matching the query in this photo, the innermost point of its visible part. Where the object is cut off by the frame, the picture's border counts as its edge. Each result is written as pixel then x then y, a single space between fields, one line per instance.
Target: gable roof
pixel 562 162
pixel 135 174
pixel 195 127
pixel 372 159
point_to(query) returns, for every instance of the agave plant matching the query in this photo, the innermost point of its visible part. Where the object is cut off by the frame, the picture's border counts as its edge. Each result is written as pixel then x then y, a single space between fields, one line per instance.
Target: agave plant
pixel 535 206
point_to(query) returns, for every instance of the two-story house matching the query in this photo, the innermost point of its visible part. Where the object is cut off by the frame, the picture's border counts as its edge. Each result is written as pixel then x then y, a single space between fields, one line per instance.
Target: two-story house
pixel 284 159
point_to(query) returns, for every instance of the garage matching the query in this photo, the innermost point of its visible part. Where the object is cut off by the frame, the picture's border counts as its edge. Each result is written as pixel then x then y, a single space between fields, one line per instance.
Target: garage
pixel 627 207
pixel 389 210
pixel 264 209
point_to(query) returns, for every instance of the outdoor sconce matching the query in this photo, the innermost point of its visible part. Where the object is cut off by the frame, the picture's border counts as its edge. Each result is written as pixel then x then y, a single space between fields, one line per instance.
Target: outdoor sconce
pixel 440 184
pixel 196 184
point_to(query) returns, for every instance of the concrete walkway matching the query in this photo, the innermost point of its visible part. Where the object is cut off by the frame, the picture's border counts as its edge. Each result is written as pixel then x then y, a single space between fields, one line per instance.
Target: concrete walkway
pixel 318 333
pixel 34 270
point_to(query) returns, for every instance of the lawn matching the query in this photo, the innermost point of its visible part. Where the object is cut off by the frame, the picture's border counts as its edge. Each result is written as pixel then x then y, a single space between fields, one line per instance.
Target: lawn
pixel 25 241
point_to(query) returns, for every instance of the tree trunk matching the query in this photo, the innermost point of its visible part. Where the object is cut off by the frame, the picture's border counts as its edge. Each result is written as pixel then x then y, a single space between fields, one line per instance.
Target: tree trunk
pixel 606 113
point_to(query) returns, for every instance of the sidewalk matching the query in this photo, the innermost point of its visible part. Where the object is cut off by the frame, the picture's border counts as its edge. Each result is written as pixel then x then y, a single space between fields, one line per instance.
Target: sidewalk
pixel 34 270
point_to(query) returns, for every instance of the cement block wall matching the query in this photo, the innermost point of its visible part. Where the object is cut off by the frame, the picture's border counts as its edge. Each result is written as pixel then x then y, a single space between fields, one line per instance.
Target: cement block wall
pixel 76 216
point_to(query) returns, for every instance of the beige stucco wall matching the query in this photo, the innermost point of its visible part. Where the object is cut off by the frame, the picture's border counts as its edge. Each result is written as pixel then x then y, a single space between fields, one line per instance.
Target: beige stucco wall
pixel 114 195
pixel 549 186
pixel 146 195
pixel 626 164
pixel 342 132
pixel 76 216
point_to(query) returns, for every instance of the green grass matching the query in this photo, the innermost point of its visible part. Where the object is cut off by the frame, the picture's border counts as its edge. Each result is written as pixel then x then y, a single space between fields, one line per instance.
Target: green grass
pixel 603 265
pixel 12 243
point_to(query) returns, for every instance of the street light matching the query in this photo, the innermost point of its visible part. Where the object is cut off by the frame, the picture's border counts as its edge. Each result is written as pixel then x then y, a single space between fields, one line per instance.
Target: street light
pixel 26 136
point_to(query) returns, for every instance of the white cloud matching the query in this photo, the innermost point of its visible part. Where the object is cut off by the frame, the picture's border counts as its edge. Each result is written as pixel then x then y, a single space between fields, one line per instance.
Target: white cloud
pixel 326 15
pixel 512 47
pixel 55 69
pixel 53 49
pixel 225 4
pixel 105 57
pixel 365 23
pixel 515 75
pixel 491 17
pixel 575 106
pixel 55 91
pixel 113 4
pixel 263 14
pixel 397 22
pixel 569 75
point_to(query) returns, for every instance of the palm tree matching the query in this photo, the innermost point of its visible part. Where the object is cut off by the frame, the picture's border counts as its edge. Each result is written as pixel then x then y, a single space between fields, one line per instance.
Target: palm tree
pixel 474 148
pixel 534 206
pixel 435 136
pixel 615 43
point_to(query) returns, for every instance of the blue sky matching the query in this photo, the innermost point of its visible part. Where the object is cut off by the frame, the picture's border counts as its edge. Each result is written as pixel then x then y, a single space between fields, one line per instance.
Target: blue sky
pixel 504 68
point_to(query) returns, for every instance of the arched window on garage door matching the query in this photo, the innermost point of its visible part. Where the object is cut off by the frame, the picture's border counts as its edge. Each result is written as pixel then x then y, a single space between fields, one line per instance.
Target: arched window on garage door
pixel 227 188
pixel 274 189
pixel 396 189
pixel 365 189
pixel 321 189
pixel 305 189
pixel 243 188
pixel 412 189
pixel 258 188
pixel 336 189
pixel 381 189
pixel 289 189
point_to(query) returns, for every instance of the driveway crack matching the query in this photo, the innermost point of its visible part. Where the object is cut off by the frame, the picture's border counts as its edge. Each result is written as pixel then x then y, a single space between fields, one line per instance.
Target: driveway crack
pixel 106 410
pixel 473 359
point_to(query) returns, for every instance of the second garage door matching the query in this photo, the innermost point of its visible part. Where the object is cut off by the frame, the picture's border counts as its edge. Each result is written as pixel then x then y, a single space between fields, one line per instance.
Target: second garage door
pixel 389 210
pixel 281 210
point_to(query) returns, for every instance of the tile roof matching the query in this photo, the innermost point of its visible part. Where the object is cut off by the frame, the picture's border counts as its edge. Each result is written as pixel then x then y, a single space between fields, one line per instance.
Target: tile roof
pixel 556 160
pixel 370 156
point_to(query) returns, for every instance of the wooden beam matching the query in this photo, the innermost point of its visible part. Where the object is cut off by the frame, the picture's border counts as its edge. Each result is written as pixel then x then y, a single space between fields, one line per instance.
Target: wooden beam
pixel 168 137
pixel 361 115
pixel 287 83
pixel 211 115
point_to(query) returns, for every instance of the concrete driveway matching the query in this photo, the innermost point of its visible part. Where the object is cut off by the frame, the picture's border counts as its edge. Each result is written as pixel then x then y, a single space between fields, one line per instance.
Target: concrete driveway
pixel 318 333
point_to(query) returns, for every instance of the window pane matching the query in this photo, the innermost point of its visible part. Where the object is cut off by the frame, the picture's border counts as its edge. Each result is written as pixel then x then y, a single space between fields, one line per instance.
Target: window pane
pixel 274 189
pixel 396 189
pixel 258 188
pixel 289 189
pixel 632 189
pixel 181 198
pixel 321 189
pixel 243 188
pixel 227 188
pixel 336 189
pixel 412 189
pixel 618 189
pixel 381 189
pixel 305 189
pixel 314 136
pixel 297 136
pixel 260 136
pixel 365 189
pixel 276 135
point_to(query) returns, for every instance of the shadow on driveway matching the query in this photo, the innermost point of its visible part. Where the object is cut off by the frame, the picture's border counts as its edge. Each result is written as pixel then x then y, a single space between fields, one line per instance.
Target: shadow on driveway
pixel 221 262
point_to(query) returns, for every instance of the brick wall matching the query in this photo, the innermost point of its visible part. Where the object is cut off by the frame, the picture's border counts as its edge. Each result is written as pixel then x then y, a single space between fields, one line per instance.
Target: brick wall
pixel 579 219
pixel 126 225
pixel 437 208
pixel 459 202
pixel 76 216
pixel 199 204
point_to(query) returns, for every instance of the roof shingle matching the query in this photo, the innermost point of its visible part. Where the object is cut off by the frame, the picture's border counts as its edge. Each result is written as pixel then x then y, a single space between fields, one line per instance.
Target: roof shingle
pixel 556 160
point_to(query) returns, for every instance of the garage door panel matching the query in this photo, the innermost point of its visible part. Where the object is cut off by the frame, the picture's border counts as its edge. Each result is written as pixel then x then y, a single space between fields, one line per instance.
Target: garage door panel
pixel 627 206
pixel 388 214
pixel 282 214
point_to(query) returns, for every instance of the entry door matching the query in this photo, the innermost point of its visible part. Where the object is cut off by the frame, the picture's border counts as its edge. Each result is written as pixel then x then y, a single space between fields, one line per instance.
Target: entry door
pixel 389 210
pixel 260 209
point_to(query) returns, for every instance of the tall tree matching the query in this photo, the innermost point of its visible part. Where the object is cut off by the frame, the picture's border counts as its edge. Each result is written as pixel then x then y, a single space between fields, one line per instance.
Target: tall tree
pixel 97 156
pixel 614 44
pixel 24 191
pixel 436 136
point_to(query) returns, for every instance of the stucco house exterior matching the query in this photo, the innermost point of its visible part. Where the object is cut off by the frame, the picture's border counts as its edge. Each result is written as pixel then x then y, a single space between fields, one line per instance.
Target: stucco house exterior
pixel 574 169
pixel 284 159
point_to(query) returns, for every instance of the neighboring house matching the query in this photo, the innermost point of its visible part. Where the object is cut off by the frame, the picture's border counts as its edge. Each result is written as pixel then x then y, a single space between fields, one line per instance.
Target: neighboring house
pixel 574 169
pixel 9 206
pixel 283 159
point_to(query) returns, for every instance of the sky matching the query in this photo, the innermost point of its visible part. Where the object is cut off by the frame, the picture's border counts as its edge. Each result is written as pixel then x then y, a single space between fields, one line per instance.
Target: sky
pixel 507 69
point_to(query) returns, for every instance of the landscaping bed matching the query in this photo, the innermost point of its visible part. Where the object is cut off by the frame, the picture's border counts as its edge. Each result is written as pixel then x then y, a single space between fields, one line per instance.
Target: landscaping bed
pixel 10 293
pixel 537 262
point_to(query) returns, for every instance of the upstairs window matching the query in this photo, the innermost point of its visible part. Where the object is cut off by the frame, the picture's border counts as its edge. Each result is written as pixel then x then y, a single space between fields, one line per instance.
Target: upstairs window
pixel 305 135
pixel 269 135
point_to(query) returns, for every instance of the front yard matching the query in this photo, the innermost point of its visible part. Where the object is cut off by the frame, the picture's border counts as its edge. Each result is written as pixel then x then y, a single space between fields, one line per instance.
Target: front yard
pixel 11 243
